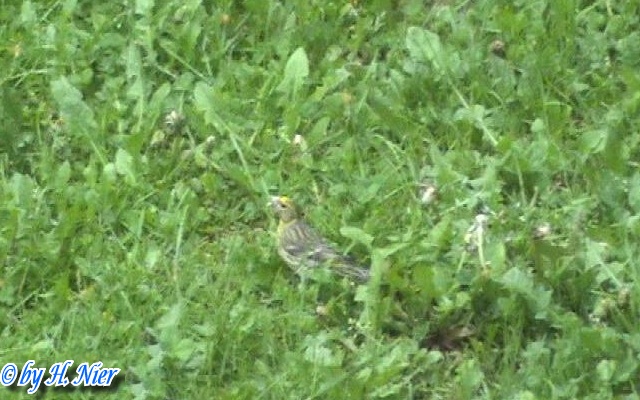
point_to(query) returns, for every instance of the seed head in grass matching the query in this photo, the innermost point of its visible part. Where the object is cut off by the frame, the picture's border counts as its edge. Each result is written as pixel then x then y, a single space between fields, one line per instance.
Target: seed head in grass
pixel 303 248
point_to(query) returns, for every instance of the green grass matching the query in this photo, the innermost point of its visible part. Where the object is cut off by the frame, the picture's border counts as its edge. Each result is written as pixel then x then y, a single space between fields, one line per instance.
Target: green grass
pixel 139 144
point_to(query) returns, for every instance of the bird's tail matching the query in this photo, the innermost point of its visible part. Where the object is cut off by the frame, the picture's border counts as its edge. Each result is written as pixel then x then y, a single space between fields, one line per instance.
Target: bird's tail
pixel 352 271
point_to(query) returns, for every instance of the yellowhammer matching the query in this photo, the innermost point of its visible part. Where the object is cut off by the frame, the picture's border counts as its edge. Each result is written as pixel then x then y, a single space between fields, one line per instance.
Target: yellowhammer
pixel 302 247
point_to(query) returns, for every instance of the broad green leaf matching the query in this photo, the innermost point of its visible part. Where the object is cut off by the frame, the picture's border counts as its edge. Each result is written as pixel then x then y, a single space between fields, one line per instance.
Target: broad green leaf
pixel 518 281
pixel 22 187
pixel 423 278
pixel 594 141
pixel 606 369
pixel 424 46
pixel 537 126
pixel 473 114
pixel 295 72
pixel 525 395
pixel 144 7
pixel 384 252
pixel 357 235
pixel 28 13
pixel 440 233
pixel 109 174
pixel 43 345
pixel 496 254
pixel 369 193
pixel 634 193
pixel 318 353
pixel 63 174
pixel 185 349
pixel 207 102
pixel 158 97
pixel 69 6
pixel 134 72
pixel 171 318
pixel 124 165
pixel 75 113
pixel 469 377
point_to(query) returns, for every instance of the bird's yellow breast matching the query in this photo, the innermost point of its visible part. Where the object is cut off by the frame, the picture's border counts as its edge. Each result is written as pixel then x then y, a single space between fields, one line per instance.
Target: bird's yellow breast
pixel 283 226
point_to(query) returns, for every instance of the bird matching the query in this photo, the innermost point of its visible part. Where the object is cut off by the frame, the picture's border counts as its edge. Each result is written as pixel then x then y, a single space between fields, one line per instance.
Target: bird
pixel 302 248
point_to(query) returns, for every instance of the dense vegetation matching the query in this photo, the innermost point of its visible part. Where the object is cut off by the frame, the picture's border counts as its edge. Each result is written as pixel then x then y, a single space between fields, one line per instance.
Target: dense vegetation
pixel 481 155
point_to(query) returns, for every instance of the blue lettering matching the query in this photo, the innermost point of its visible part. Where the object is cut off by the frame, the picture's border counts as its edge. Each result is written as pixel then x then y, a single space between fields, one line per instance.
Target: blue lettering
pixel 84 373
pixel 107 375
pixel 31 375
pixel 94 375
pixel 8 374
pixel 25 374
pixel 58 373
pixel 95 368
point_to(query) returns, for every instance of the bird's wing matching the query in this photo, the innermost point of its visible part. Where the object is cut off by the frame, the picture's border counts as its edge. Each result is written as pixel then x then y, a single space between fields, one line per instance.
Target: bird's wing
pixel 344 265
pixel 323 252
pixel 303 242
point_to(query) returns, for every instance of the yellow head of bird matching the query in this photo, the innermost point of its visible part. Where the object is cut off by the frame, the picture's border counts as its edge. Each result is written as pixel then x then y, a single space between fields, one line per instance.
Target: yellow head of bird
pixel 284 207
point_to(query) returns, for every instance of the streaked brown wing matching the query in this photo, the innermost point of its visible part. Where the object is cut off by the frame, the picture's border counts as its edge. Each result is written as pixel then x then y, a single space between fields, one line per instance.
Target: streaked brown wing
pixel 300 241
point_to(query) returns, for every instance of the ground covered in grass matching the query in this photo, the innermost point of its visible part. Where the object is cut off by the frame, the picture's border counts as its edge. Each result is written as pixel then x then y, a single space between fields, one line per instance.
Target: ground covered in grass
pixel 481 155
